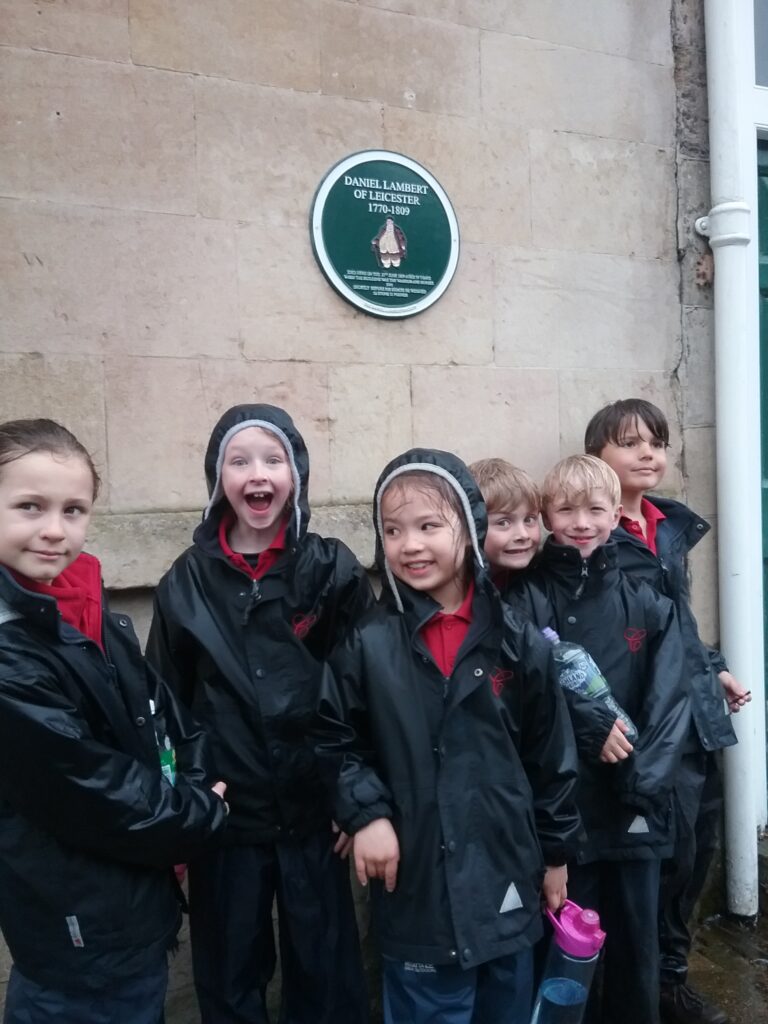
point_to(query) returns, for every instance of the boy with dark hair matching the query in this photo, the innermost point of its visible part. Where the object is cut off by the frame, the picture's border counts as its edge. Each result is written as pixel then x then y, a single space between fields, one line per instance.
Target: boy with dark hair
pixel 624 793
pixel 653 540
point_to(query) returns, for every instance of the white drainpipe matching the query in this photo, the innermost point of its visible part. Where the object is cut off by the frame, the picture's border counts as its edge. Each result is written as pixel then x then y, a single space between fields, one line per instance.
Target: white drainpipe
pixel 732 229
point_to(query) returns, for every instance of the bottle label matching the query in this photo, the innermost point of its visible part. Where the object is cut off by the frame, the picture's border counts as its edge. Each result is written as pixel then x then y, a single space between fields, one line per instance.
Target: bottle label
pixel 168 761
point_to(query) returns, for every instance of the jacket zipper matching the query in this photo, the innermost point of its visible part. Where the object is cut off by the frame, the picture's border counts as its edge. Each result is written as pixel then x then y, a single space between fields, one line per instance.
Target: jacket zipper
pixel 583 583
pixel 252 600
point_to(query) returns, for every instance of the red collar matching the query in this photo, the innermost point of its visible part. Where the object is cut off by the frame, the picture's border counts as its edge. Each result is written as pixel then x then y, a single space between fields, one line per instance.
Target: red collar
pixel 652 516
pixel 266 558
pixel 77 592
pixel 445 633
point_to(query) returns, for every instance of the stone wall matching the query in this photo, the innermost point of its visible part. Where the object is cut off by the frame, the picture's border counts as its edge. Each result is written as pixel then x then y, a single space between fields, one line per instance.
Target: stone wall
pixel 160 157
pixel 159 160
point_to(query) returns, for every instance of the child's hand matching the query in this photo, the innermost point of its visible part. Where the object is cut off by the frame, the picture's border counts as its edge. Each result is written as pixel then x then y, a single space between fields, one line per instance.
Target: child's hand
pixel 343 843
pixel 555 887
pixel 735 693
pixel 617 747
pixel 220 788
pixel 377 853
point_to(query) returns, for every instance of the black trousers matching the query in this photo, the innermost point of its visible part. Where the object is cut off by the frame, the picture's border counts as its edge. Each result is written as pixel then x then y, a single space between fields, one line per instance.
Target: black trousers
pixel 698 801
pixel 231 893
pixel 626 895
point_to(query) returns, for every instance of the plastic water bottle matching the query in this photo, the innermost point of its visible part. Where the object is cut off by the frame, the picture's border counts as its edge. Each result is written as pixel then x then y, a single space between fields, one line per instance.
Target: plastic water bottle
pixel 570 966
pixel 577 671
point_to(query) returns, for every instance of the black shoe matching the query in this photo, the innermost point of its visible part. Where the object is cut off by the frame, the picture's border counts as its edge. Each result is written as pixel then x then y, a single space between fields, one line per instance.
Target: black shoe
pixel 681 1004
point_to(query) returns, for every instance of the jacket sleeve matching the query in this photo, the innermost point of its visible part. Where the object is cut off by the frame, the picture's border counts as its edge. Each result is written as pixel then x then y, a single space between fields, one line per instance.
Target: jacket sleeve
pixel 590 719
pixel 193 759
pixel 353 596
pixel 165 649
pixel 88 794
pixel 716 659
pixel 343 741
pixel 548 752
pixel 646 779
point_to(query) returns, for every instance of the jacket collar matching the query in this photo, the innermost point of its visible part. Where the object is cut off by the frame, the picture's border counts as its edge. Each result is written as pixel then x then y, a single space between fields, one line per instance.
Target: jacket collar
pixel 17 603
pixel 565 563
pixel 680 522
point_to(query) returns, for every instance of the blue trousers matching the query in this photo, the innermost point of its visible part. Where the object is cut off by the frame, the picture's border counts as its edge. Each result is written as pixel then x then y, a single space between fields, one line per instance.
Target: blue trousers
pixel 497 992
pixel 137 1001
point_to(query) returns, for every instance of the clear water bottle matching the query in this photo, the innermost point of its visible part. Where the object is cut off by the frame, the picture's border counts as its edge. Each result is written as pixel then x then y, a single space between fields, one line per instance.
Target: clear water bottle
pixel 577 671
pixel 570 966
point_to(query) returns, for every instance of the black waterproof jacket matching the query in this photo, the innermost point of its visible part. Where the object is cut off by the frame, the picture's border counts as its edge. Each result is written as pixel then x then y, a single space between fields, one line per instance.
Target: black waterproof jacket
pixel 667 572
pixel 476 771
pixel 89 827
pixel 631 632
pixel 247 656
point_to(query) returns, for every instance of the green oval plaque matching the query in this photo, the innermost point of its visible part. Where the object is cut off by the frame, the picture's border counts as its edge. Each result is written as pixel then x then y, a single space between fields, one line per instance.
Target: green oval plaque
pixel 384 233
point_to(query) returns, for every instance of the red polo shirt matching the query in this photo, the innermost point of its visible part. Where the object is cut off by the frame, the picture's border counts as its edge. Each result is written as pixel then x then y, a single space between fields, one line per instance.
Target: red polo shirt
pixel 265 560
pixel 652 518
pixel 445 632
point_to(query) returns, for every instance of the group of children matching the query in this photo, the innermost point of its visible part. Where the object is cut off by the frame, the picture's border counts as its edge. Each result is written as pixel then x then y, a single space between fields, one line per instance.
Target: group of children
pixel 285 719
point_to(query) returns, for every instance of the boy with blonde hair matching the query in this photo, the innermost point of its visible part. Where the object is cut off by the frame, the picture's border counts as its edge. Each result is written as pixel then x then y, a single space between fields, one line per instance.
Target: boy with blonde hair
pixel 624 793
pixel 513 503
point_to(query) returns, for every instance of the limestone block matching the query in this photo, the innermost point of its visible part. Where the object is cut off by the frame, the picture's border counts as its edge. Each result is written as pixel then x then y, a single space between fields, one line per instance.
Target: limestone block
pixel 82 131
pixel 352 524
pixel 640 31
pixel 246 40
pixel 299 388
pixel 289 309
pixel 135 549
pixel 563 311
pixel 370 424
pixel 479 412
pixel 692 104
pixel 584 391
pixel 399 61
pixel 156 457
pixel 483 166
pixel 535 84
pixel 704 585
pixel 700 470
pixel 84 280
pixel 602 195
pixel 88 28
pixel 697 370
pixel 68 389
pixel 262 152
pixel 693 201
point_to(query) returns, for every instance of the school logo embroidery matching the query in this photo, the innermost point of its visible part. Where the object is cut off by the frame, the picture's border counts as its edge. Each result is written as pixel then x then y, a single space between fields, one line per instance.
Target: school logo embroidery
pixel 302 624
pixel 634 638
pixel 499 678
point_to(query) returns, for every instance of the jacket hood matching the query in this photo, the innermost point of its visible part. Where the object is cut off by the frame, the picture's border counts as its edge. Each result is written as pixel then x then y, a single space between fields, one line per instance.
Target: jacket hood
pixel 277 422
pixel 451 469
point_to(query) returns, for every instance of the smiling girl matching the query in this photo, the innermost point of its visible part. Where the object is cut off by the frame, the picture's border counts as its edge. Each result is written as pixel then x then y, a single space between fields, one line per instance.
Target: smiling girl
pixel 89 824
pixel 452 758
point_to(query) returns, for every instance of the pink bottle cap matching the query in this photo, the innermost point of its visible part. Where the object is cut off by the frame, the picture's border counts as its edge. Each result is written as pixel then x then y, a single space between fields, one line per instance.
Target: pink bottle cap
pixel 577 931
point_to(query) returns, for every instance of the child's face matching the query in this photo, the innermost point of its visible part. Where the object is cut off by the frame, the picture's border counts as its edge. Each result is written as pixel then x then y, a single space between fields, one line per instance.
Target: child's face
pixel 256 480
pixel 424 543
pixel 639 459
pixel 45 508
pixel 513 537
pixel 585 523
